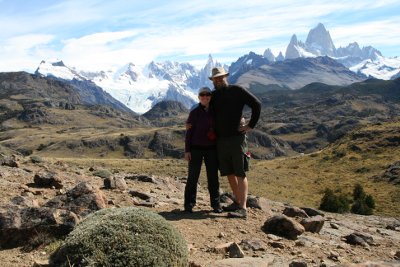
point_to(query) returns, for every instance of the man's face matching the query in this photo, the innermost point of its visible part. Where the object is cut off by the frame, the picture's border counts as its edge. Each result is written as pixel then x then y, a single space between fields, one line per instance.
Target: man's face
pixel 220 82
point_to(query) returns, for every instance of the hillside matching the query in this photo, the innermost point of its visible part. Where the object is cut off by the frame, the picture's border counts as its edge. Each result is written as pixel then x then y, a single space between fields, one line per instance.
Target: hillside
pixel 319 114
pixel 317 137
pixel 296 73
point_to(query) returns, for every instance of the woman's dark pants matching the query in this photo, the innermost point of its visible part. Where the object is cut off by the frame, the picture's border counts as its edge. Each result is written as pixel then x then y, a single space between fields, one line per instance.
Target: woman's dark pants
pixel 211 161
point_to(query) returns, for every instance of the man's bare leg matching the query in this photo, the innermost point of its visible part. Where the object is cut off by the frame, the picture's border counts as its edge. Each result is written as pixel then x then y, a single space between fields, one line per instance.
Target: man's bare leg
pixel 243 188
pixel 233 182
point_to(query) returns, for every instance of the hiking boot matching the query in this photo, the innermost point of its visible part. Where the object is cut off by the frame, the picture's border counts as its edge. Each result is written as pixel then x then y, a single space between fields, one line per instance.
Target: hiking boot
pixel 188 210
pixel 232 207
pixel 240 213
pixel 218 210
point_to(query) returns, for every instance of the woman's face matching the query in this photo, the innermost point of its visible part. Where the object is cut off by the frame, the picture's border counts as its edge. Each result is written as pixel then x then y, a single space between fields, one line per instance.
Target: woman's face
pixel 204 98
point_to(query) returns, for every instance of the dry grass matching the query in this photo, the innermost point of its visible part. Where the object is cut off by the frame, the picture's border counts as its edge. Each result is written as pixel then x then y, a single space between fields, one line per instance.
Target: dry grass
pixel 297 180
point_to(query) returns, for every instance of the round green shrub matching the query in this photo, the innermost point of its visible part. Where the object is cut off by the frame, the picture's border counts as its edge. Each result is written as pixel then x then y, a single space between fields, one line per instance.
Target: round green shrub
pixel 36 159
pixel 334 203
pixel 123 237
pixel 103 173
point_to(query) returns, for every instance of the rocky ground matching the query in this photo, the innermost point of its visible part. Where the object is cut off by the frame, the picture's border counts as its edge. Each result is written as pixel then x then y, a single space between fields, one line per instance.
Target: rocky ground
pixel 213 239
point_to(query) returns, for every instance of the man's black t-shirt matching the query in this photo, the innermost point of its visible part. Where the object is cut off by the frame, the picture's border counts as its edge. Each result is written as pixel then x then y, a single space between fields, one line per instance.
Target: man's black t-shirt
pixel 228 104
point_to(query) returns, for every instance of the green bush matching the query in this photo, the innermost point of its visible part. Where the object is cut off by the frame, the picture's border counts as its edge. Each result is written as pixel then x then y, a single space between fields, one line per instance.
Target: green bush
pixel 363 204
pixel 334 203
pixel 36 159
pixel 123 237
pixel 103 173
pixel 358 192
pixel 369 200
pixel 360 207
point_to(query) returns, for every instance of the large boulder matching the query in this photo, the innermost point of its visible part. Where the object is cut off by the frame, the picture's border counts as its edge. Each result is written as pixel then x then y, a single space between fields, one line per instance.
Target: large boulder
pixel 82 200
pixel 295 212
pixel 313 224
pixel 18 225
pixel 284 226
pixel 48 179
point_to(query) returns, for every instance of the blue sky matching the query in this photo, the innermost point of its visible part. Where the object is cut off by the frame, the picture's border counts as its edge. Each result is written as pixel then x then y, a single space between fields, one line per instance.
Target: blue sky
pixel 101 34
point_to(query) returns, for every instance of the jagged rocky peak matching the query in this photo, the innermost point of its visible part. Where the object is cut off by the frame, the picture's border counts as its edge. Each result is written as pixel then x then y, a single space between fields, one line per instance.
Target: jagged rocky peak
pixel 206 72
pixel 269 55
pixel 57 69
pixel 157 70
pixel 58 64
pixel 244 64
pixel 132 72
pixel 319 41
pixel 292 50
pixel 280 57
pixel 371 52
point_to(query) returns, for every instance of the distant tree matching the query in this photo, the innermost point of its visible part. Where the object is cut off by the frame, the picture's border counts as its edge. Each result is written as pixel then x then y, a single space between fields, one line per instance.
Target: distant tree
pixel 369 200
pixel 358 192
pixel 360 207
pixel 362 203
pixel 334 203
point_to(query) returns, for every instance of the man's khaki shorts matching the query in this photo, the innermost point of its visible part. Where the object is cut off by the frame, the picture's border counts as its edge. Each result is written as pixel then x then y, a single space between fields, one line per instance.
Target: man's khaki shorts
pixel 232 155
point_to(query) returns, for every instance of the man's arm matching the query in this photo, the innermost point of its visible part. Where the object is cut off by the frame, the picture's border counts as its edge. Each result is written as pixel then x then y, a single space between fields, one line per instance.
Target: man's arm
pixel 255 104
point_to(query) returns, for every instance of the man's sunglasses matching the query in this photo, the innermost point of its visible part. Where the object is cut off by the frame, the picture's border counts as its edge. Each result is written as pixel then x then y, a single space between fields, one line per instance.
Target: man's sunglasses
pixel 205 94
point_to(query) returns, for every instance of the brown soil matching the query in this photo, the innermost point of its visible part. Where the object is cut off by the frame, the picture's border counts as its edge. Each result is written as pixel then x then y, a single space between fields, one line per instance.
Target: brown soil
pixel 205 230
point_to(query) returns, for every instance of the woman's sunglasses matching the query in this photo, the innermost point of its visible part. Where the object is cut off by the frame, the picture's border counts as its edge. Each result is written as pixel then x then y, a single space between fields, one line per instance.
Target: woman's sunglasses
pixel 205 94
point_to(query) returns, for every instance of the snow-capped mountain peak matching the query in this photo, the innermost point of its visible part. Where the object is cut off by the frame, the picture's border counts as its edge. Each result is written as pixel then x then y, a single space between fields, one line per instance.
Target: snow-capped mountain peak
pixel 381 67
pixel 367 60
pixel 319 41
pixel 140 88
pixel 57 69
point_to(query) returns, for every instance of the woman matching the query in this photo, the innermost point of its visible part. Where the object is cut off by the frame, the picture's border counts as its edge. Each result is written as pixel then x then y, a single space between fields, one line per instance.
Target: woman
pixel 200 143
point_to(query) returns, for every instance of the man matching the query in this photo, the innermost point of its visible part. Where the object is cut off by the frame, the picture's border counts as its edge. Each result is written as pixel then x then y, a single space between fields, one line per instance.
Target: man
pixel 228 102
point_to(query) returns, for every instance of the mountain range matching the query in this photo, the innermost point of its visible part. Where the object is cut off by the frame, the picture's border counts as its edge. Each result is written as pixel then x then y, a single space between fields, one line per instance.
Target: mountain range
pixel 316 60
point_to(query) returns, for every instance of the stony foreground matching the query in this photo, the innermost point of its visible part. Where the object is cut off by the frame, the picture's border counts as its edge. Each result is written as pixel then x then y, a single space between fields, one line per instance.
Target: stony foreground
pixel 52 197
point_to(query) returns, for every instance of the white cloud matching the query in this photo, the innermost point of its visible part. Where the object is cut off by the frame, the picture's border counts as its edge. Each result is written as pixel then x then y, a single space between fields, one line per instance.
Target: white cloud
pixel 23 52
pixel 375 33
pixel 93 33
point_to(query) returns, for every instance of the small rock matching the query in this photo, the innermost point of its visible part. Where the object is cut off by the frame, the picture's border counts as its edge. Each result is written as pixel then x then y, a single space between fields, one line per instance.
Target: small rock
pixel 295 212
pixel 223 248
pixel 41 263
pixel 313 224
pixel 276 244
pixel 333 256
pixel 334 226
pixel 115 183
pixel 140 195
pixel 255 245
pixel 194 264
pixel 359 239
pixel 274 237
pixel 313 212
pixel 240 262
pixel 298 264
pixel 235 251
pixel 48 180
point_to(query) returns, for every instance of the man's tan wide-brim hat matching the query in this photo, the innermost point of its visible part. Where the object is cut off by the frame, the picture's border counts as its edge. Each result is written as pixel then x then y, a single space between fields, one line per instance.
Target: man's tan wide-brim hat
pixel 217 72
